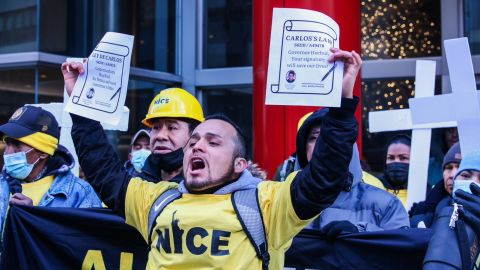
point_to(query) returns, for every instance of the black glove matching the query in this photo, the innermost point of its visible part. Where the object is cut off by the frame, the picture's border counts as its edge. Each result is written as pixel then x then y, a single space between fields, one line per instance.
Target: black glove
pixel 471 206
pixel 14 184
pixel 335 228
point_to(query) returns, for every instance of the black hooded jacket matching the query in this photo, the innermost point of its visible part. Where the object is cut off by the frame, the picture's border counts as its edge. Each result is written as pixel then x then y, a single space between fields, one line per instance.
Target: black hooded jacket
pixel 302 135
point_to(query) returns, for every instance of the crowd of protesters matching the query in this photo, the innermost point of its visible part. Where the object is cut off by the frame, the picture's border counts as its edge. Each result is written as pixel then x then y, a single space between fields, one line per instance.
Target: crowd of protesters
pixel 201 163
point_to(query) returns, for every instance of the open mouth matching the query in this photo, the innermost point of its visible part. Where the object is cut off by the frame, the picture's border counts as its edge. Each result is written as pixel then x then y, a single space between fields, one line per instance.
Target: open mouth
pixel 197 164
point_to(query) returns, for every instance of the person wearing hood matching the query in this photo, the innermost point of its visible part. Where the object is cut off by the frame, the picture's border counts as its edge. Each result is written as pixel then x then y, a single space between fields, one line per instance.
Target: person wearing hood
pixel 397 161
pixel 37 169
pixel 139 152
pixel 199 229
pixel 361 206
pixel 311 128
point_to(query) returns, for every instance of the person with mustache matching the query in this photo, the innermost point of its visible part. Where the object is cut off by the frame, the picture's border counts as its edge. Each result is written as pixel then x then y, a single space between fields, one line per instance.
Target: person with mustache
pixel 172 116
pixel 200 230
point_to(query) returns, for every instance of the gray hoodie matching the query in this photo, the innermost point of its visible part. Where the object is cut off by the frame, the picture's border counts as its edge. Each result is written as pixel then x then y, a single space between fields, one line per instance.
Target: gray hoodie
pixel 367 207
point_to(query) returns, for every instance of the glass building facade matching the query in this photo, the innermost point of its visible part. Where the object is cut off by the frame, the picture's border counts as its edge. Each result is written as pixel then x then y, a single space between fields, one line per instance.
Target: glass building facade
pixel 205 46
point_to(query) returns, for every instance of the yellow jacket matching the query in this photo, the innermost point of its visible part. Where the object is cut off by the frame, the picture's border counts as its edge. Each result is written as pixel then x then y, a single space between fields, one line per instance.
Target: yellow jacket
pixel 201 231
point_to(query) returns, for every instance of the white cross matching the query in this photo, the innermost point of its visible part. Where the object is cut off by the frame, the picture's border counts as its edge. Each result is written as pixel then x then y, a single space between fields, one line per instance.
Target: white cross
pixel 65 121
pixel 462 105
pixel 395 120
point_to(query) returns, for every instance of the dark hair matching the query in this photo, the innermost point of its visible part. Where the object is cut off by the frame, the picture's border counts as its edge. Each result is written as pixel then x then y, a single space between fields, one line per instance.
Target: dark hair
pixel 398 139
pixel 240 141
pixel 401 139
pixel 192 124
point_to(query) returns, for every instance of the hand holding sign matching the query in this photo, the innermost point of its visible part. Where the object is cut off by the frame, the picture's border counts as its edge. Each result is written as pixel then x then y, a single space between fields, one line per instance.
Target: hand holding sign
pixel 71 70
pixel 98 88
pixel 299 70
pixel 351 66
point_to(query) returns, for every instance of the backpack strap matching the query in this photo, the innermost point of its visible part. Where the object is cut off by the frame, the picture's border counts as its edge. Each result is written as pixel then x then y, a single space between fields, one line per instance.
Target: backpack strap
pixel 157 208
pixel 247 208
pixel 287 168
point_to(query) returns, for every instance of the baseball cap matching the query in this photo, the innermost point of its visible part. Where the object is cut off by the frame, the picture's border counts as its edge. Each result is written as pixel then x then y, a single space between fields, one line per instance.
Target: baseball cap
pixel 33 126
pixel 141 132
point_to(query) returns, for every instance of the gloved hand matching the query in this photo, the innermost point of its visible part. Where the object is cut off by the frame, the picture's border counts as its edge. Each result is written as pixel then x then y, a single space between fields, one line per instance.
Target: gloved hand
pixel 335 228
pixel 471 206
pixel 14 184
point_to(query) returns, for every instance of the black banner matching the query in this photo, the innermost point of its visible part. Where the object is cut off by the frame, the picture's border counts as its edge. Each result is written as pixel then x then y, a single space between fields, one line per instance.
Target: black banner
pixel 65 238
pixel 396 249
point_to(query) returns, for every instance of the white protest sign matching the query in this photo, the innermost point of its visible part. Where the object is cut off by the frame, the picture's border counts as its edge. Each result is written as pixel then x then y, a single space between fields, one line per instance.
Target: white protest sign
pixel 421 137
pixel 462 105
pixel 100 92
pixel 298 70
pixel 394 120
pixel 401 119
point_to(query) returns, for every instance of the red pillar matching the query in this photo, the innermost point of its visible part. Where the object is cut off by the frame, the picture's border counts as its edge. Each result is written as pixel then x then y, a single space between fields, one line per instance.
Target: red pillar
pixel 275 127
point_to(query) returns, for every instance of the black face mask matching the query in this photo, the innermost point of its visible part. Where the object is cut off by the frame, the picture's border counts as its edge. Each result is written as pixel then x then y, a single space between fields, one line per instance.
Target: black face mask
pixel 168 162
pixel 397 174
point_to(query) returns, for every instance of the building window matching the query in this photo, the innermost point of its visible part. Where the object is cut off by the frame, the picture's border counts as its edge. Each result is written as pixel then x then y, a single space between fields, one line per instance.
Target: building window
pixel 472 24
pixel 400 29
pixel 18 26
pixel 236 103
pixel 156 35
pixel 17 87
pixel 227 33
pixel 381 95
pixel 80 25
pixel 394 30
pixel 50 85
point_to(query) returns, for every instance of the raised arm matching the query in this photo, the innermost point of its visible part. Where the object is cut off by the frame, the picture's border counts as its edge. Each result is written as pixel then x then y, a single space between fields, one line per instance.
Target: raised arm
pixel 99 161
pixel 317 186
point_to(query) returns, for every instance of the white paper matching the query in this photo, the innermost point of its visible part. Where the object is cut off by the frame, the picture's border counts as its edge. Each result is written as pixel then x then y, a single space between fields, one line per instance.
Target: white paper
pixel 298 70
pixel 100 92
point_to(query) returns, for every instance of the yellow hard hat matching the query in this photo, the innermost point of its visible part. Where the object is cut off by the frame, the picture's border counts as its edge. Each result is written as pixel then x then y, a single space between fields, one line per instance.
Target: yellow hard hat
pixel 300 122
pixel 174 103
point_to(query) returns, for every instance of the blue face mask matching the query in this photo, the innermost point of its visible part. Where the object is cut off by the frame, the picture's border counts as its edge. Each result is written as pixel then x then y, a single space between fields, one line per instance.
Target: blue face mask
pixel 17 166
pixel 463 185
pixel 138 159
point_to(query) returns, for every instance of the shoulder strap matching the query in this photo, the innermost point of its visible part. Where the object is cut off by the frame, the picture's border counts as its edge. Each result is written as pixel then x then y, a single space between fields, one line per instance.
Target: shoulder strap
pixel 247 208
pixel 157 207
